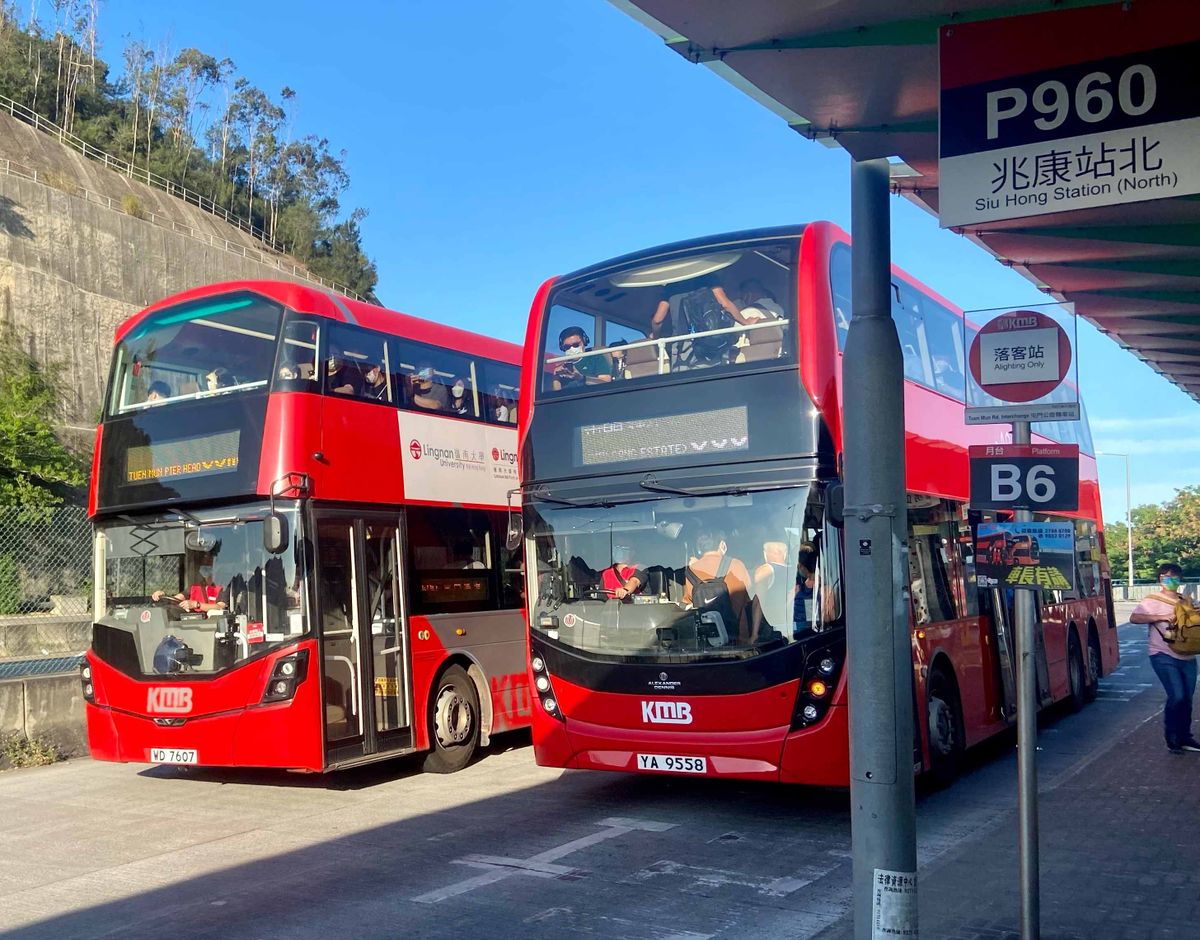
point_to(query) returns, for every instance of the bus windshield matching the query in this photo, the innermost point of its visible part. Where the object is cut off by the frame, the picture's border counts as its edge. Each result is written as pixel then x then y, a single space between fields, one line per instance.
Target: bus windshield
pixel 725 308
pixel 681 578
pixel 198 595
pixel 200 349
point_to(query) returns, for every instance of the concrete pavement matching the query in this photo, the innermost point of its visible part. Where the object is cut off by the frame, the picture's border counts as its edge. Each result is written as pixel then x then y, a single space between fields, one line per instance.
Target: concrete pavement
pixel 509 849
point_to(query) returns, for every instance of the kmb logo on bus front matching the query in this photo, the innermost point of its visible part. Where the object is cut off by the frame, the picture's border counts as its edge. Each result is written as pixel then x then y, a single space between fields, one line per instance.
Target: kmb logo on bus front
pixel 667 713
pixel 169 701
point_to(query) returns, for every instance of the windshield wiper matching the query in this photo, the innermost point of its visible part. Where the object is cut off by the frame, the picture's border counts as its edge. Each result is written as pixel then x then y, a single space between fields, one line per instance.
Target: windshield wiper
pixel 650 482
pixel 574 503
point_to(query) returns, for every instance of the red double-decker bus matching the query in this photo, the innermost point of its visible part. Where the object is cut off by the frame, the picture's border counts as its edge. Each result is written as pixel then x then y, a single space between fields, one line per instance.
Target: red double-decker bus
pixel 681 428
pixel 300 558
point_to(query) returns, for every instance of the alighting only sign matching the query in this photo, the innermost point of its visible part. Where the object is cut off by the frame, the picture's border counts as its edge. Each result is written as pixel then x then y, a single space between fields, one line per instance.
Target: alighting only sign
pixel 1068 109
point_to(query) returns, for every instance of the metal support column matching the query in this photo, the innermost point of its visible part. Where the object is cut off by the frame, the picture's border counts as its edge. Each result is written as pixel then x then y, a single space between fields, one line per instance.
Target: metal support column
pixel 883 806
pixel 1027 710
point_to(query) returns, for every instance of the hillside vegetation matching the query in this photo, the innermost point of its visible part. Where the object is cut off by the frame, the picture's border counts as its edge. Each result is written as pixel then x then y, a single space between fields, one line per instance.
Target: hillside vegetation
pixel 192 119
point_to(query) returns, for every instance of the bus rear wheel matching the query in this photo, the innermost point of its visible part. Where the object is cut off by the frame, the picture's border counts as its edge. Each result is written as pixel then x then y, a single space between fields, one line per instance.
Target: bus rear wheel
pixel 1076 675
pixel 453 722
pixel 947 741
pixel 1095 667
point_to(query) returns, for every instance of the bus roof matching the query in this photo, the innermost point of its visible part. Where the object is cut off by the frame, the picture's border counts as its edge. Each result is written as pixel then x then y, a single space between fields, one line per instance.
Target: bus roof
pixel 316 302
pixel 747 235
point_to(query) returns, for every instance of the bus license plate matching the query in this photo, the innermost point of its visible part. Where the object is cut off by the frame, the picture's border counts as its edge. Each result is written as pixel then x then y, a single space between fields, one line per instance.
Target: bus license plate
pixel 672 763
pixel 173 755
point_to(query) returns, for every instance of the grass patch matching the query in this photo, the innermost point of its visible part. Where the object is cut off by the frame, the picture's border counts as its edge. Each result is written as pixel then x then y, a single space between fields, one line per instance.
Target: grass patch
pixel 131 205
pixel 16 750
pixel 60 181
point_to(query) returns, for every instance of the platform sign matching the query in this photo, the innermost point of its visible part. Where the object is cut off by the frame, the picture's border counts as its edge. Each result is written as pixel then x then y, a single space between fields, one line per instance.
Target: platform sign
pixel 1041 477
pixel 1021 365
pixel 1068 109
pixel 1035 555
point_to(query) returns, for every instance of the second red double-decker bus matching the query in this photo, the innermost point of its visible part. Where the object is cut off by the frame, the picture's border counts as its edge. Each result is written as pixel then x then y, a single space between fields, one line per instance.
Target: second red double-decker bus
pixel 681 429
pixel 300 558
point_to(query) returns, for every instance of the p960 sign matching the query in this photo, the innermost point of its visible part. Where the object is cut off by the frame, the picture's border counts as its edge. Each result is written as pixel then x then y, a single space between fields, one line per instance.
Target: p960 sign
pixel 1025 476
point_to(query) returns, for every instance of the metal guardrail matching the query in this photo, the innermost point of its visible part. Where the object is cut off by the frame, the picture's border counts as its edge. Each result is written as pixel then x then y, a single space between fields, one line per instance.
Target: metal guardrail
pixel 278 260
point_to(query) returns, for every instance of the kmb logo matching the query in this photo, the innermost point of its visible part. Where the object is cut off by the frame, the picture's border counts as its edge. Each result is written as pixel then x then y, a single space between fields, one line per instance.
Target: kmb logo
pixel 169 701
pixel 667 713
pixel 415 449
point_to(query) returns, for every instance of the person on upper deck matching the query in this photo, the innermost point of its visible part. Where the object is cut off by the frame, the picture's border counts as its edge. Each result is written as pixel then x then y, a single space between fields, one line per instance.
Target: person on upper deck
pixel 579 368
pixel 158 391
pixel 704 308
pixel 375 384
pixel 428 394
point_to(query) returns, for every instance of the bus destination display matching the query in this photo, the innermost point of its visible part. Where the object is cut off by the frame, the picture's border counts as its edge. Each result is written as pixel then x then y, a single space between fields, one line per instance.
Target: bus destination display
pixel 187 457
pixel 699 433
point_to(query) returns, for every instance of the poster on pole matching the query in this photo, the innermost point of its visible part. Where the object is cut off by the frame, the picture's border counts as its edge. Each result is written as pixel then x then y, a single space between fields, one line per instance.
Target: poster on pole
pixel 1032 555
pixel 1068 109
pixel 1021 364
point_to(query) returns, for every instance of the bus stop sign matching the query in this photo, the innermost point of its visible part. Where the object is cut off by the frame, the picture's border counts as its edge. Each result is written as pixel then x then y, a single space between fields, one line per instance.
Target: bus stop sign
pixel 1020 356
pixel 1039 477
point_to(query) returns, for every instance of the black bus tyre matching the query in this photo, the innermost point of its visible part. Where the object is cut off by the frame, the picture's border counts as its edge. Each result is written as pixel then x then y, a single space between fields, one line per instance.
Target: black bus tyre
pixel 947 742
pixel 453 722
pixel 1095 667
pixel 1076 675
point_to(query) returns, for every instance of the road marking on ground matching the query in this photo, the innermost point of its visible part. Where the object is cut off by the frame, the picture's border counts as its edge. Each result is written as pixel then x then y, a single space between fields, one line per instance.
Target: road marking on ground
pixel 566 920
pixel 706 878
pixel 496 867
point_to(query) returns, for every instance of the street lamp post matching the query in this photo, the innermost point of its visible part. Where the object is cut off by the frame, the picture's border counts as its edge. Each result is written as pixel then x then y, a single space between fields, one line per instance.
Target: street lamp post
pixel 1128 518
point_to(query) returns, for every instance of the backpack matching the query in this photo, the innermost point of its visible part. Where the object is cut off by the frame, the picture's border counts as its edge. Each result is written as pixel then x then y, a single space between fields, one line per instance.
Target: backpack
pixel 1183 636
pixel 711 595
pixel 700 312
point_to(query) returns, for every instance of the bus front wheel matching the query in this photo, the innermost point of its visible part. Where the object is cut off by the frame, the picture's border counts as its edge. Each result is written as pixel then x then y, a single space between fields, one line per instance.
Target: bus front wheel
pixel 453 722
pixel 947 741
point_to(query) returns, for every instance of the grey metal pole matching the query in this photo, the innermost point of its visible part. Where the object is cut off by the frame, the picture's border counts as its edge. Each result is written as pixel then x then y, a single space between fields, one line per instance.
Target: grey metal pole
pixel 1027 709
pixel 883 804
pixel 1129 527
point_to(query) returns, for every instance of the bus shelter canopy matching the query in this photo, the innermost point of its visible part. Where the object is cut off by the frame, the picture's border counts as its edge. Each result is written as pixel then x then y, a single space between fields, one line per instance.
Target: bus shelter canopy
pixel 863 75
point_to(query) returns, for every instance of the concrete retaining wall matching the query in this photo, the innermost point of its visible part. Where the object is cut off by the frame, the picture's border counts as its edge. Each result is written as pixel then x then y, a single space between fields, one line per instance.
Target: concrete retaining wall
pixel 49 707
pixel 72 270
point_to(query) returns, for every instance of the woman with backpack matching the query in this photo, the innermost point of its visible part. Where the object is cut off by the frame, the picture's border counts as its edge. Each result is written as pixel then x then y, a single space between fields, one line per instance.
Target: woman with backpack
pixel 1176 670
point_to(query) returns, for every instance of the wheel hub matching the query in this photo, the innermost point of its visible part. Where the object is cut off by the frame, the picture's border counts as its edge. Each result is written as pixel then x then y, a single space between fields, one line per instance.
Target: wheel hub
pixel 452 718
pixel 941 726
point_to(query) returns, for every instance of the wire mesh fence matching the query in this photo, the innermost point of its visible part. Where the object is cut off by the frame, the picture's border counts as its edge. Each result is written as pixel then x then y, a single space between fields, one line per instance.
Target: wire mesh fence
pixel 45 581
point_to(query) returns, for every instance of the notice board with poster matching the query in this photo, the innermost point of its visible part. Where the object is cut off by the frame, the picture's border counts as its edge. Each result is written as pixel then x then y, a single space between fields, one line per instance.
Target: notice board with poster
pixel 1036 555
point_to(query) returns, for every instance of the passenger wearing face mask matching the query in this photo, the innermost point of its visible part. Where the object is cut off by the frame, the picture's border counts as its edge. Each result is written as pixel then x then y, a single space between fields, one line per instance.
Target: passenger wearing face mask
pixel 375 384
pixel 1176 671
pixel 202 596
pixel 459 403
pixel 426 393
pixel 580 368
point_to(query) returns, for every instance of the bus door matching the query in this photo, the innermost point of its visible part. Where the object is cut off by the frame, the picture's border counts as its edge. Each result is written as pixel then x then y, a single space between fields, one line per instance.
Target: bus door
pixel 366 686
pixel 1002 635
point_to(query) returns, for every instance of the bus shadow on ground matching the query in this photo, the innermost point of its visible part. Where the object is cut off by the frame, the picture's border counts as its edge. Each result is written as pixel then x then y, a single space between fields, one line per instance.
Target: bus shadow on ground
pixel 349 779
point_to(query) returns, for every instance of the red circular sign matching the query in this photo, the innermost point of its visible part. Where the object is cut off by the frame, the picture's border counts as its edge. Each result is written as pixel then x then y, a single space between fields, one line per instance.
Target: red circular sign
pixel 1020 356
pixel 415 449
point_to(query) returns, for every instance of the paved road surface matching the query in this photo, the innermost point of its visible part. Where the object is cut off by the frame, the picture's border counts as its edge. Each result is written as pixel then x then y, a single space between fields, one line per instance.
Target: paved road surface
pixel 502 849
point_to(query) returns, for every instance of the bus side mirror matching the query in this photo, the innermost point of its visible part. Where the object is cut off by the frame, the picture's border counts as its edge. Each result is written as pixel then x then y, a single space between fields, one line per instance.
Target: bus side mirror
pixel 275 533
pixel 512 538
pixel 835 504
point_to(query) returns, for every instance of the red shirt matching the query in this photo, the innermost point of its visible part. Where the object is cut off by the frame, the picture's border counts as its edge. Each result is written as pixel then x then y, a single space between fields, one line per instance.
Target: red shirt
pixel 614 577
pixel 204 593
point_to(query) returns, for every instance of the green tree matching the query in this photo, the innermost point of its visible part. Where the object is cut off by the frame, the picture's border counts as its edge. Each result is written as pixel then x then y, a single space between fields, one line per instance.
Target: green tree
pixel 36 470
pixel 1161 533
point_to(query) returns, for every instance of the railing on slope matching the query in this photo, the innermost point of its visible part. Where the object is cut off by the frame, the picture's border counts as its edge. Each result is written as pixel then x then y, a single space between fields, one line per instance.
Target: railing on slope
pixel 142 175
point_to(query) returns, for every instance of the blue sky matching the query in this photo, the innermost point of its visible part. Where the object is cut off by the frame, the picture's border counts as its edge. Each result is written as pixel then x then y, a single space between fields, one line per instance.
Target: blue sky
pixel 497 144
